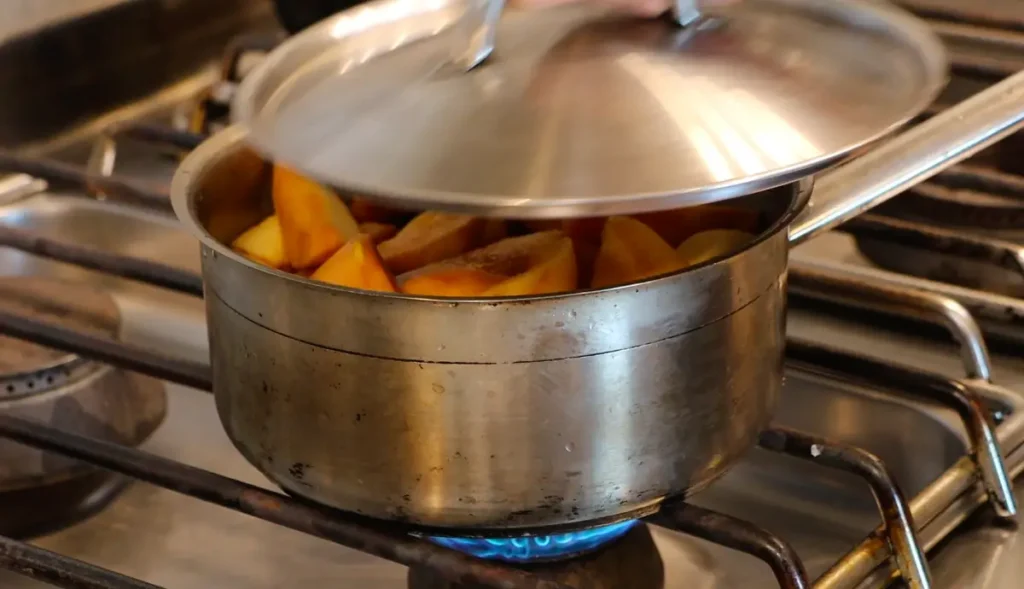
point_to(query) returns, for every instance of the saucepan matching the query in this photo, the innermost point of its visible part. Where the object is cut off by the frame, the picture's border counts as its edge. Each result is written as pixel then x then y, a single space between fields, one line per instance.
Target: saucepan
pixel 497 415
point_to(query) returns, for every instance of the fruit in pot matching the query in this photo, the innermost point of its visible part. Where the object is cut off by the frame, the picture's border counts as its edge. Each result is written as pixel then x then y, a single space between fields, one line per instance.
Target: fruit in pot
pixel 316 234
pixel 452 282
pixel 315 223
pixel 538 263
pixel 708 245
pixel 356 265
pixel 554 272
pixel 263 243
pixel 508 257
pixel 631 251
pixel 431 237
pixel 677 225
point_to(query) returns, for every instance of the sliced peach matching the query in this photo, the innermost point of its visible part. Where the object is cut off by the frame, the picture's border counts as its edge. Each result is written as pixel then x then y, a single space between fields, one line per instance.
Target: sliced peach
pixel 708 245
pixel 508 257
pixel 263 243
pixel 367 211
pixel 555 272
pixel 378 232
pixel 677 225
pixel 451 282
pixel 431 237
pixel 314 221
pixel 631 251
pixel 356 265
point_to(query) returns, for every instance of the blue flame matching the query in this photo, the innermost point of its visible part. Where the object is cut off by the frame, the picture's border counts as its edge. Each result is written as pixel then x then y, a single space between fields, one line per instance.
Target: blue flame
pixel 537 548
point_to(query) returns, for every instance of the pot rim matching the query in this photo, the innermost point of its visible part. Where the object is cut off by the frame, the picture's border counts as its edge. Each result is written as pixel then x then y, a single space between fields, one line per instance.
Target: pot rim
pixel 208 154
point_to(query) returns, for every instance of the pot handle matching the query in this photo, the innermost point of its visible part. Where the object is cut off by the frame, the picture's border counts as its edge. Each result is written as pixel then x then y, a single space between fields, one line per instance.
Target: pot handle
pixel 912 157
pixel 475 35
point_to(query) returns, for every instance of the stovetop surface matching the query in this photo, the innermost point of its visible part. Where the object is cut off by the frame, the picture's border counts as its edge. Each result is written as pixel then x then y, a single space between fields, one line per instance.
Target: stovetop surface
pixel 179 542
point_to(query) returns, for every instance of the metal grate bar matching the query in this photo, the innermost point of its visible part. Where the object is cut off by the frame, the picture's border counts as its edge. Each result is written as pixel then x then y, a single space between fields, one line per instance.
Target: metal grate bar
pixel 985 450
pixel 970 177
pixel 984 68
pixel 896 517
pixel 160 134
pixel 832 283
pixel 107 350
pixel 95 259
pixel 112 187
pixel 739 535
pixel 1001 254
pixel 61 571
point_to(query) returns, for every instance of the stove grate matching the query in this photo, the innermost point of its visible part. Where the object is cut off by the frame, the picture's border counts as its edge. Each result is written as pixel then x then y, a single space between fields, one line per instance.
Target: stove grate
pixel 979 403
pixel 397 545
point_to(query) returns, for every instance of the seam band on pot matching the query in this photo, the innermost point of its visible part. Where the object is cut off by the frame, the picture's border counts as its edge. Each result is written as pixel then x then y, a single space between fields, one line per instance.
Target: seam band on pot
pixel 779 284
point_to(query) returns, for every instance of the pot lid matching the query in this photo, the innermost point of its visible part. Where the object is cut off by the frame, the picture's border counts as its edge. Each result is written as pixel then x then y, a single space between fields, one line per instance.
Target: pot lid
pixel 578 111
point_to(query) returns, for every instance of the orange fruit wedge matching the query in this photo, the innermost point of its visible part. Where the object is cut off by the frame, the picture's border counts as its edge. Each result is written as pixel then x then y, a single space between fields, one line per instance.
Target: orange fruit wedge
pixel 631 251
pixel 708 245
pixel 554 272
pixel 678 225
pixel 508 257
pixel 356 265
pixel 431 237
pixel 263 243
pixel 451 282
pixel 314 221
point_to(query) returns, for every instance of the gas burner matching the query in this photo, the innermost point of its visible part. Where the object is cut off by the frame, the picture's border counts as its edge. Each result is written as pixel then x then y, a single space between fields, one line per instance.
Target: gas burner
pixel 35 511
pixel 538 548
pixel 632 562
pixel 40 491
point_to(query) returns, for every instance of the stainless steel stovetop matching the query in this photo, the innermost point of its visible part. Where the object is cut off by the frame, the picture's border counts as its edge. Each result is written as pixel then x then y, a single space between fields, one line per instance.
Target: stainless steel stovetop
pixel 176 541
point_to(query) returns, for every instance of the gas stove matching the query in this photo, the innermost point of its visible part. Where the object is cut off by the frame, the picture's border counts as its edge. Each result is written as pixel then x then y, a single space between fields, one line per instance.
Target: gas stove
pixel 893 451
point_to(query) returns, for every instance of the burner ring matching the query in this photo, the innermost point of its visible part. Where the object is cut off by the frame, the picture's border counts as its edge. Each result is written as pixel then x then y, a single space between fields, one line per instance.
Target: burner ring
pixel 21 384
pixel 27 368
pixel 66 391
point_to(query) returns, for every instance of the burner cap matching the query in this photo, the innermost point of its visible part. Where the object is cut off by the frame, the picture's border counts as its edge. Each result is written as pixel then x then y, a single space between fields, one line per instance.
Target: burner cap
pixel 27 368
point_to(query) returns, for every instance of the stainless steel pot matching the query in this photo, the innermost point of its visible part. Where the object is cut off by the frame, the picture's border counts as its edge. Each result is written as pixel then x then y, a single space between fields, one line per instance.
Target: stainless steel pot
pixel 530 412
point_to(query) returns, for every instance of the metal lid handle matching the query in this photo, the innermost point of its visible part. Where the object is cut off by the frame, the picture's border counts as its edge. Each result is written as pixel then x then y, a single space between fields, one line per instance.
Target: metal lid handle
pixel 478 28
pixel 912 157
pixel 476 32
pixel 686 12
